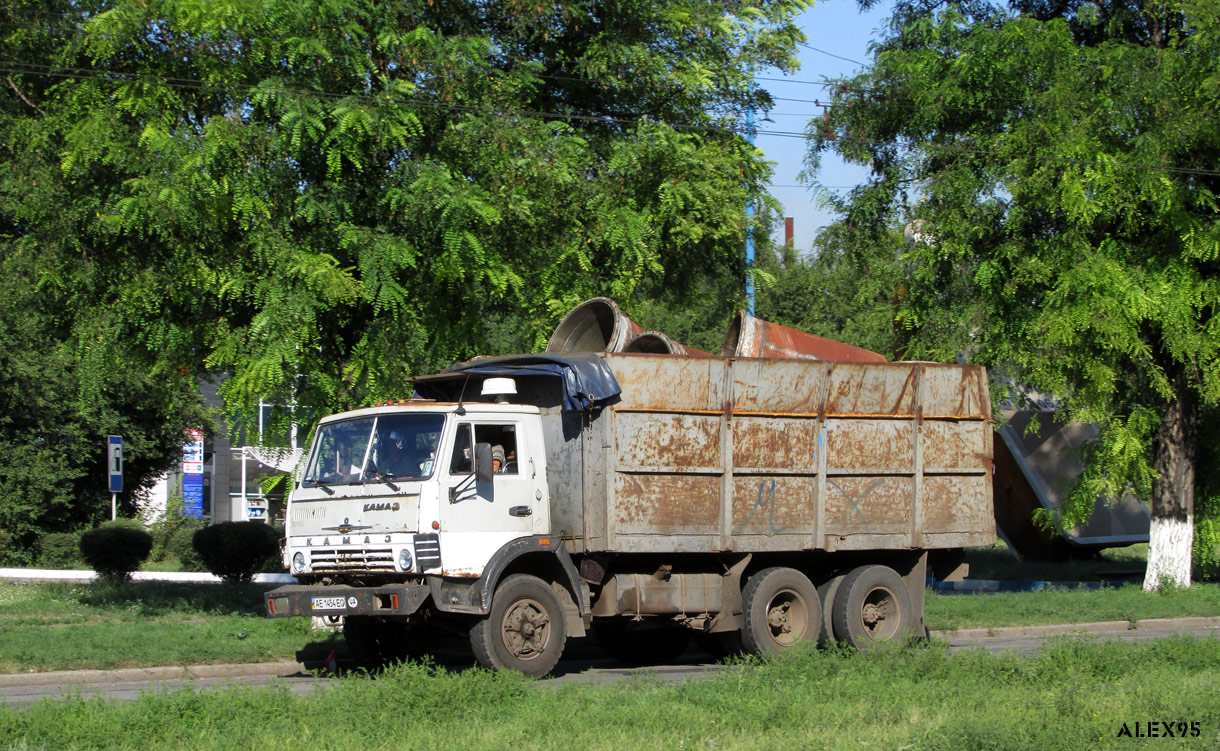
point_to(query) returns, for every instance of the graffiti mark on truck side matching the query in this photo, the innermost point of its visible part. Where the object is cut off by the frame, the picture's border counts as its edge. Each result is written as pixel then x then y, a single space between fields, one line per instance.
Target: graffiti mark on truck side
pixel 858 499
pixel 766 499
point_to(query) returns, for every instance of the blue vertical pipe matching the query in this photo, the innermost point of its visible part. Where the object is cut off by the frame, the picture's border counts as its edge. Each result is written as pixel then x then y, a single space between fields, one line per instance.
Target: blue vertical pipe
pixel 750 223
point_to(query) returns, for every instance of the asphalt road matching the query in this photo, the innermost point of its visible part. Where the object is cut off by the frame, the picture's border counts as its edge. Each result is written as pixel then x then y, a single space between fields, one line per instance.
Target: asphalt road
pixel 585 664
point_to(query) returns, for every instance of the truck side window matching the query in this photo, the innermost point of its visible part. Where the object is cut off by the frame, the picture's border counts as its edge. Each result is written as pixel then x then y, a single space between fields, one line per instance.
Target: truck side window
pixel 503 440
pixel 462 462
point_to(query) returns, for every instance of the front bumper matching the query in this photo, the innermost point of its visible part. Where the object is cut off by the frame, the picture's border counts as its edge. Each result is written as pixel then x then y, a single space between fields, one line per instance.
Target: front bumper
pixel 390 599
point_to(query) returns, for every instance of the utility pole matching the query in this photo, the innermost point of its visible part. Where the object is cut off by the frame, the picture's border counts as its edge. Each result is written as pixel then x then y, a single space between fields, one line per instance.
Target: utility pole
pixel 750 221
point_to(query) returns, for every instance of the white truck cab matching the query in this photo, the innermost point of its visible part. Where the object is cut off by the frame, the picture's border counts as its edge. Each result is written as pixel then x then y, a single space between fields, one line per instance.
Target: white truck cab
pixel 417 487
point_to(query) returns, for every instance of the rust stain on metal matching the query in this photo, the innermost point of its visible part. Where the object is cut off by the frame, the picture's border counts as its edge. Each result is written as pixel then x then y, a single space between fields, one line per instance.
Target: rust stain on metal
pixel 855 388
pixel 956 503
pixel 774 443
pixel 868 505
pixel 770 505
pixel 650 382
pixel 462 573
pixel 661 440
pixel 870 445
pixel 661 504
pixel 954 444
pixel 953 390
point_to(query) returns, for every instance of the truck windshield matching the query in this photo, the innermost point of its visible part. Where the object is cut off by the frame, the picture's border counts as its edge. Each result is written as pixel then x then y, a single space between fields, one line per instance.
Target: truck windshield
pixel 375 449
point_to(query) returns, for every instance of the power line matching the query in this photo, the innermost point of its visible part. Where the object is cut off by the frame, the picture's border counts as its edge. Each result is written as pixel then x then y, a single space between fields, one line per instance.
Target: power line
pixel 830 54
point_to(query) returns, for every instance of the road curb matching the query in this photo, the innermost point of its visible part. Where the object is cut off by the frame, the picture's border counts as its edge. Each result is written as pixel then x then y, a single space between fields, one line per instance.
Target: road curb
pixel 86 575
pixel 1099 627
pixel 134 675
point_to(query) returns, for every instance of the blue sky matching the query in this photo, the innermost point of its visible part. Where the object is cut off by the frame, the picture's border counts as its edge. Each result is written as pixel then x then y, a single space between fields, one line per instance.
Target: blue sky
pixel 839 30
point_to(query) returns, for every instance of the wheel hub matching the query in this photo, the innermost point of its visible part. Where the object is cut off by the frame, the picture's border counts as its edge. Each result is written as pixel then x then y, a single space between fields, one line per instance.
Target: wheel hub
pixel 787 618
pixel 526 629
pixel 876 609
pixel 777 618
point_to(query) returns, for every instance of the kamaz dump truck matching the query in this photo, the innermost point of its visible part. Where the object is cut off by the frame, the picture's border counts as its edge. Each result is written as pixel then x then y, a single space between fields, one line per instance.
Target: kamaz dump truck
pixel 747 502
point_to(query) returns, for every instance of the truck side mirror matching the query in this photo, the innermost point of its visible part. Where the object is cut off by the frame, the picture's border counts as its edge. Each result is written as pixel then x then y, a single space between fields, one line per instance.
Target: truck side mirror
pixel 482 462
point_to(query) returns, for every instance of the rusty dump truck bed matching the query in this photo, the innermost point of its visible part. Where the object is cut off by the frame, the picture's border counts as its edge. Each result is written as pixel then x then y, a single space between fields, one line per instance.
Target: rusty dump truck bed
pixel 719 454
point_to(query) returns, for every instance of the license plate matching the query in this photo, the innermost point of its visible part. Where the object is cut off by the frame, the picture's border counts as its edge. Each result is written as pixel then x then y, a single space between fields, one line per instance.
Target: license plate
pixel 329 603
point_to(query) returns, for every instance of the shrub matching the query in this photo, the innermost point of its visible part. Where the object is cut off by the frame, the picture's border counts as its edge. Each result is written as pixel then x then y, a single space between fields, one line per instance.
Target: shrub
pixel 235 551
pixel 60 550
pixel 116 548
pixel 181 544
pixel 172 535
pixel 1207 538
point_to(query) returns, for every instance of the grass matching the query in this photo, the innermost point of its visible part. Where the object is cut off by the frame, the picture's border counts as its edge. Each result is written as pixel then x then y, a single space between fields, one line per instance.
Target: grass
pixel 1073 695
pixel 1127 603
pixel 61 626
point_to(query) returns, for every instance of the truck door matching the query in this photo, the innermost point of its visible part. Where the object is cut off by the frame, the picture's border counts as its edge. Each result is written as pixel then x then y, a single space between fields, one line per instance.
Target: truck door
pixel 486 515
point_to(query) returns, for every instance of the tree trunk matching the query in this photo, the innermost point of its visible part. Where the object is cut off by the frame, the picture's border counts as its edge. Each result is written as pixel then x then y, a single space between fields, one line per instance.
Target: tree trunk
pixel 1171 536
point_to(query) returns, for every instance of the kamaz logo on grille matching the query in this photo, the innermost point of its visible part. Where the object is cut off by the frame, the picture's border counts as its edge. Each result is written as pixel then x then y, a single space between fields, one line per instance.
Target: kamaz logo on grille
pixel 381 506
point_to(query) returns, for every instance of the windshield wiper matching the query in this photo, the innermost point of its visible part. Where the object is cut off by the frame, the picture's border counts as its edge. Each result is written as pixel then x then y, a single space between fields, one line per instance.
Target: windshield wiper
pixel 380 477
pixel 314 483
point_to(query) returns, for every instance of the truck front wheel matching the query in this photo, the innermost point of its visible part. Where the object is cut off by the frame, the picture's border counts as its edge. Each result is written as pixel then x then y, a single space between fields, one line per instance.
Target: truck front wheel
pixel 781 609
pixel 524 630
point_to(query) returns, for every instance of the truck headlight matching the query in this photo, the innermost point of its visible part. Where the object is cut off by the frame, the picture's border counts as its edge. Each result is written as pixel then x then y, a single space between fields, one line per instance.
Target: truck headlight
pixel 404 560
pixel 298 562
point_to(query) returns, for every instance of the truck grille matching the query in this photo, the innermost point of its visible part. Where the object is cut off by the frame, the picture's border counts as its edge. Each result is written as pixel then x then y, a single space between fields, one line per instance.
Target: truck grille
pixel 352 559
pixel 427 551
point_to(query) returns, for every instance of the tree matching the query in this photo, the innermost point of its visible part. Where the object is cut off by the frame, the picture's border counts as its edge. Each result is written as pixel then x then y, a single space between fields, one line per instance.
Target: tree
pixel 1061 158
pixel 321 198
pixel 840 291
pixel 54 418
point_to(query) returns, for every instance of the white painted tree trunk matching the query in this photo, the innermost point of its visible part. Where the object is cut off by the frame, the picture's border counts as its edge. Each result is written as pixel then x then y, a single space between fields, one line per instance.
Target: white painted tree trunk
pixel 1171 534
pixel 1169 547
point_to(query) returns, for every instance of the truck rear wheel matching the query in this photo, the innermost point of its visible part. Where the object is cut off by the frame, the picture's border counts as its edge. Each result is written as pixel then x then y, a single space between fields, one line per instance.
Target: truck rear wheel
pixel 872 606
pixel 781 609
pixel 826 596
pixel 524 630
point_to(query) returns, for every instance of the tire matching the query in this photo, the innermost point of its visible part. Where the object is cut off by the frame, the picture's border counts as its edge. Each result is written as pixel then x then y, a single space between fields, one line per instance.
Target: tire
pixel 781 609
pixel 524 631
pixel 872 606
pixel 632 645
pixel 826 596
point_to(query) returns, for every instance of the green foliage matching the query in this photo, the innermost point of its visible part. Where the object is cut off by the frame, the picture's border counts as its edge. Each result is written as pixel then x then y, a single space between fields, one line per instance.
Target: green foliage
pixel 6 547
pixel 55 411
pixel 172 536
pixel 849 294
pixel 1051 167
pixel 321 199
pixel 116 549
pixel 1207 505
pixel 236 551
pixel 60 550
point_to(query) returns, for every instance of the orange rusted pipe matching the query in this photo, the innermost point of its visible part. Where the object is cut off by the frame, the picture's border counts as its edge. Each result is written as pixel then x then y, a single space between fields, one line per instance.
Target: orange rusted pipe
pixel 752 337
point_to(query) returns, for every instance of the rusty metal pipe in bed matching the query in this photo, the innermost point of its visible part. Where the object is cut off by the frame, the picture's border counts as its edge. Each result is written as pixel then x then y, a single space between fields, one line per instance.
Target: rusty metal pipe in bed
pixel 753 337
pixel 599 325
